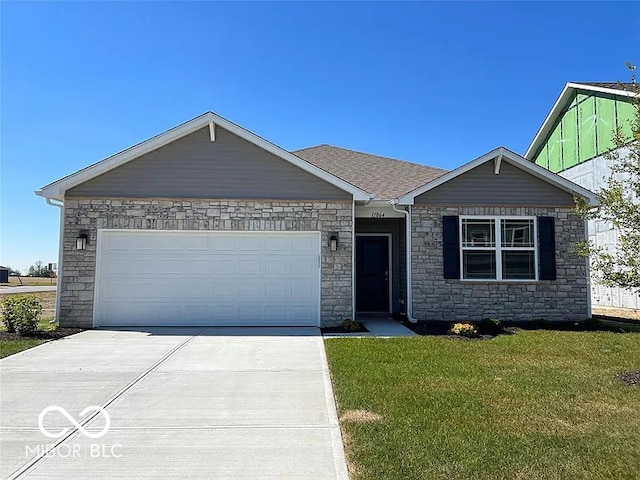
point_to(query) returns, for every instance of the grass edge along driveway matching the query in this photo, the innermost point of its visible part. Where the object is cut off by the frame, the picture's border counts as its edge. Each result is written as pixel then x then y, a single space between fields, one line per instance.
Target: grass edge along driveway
pixel 537 404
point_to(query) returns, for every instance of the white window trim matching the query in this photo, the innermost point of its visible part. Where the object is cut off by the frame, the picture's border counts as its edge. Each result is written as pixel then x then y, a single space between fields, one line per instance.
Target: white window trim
pixel 498 249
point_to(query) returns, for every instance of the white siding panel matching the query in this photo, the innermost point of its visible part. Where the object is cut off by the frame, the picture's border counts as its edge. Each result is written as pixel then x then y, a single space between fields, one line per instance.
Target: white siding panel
pixel 207 278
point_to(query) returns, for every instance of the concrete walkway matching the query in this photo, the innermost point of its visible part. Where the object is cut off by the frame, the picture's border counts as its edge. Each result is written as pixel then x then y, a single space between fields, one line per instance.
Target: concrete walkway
pixel 28 289
pixel 386 327
pixel 192 403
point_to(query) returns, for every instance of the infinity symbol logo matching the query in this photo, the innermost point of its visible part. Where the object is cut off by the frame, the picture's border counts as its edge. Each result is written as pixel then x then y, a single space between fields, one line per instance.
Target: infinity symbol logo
pixel 64 431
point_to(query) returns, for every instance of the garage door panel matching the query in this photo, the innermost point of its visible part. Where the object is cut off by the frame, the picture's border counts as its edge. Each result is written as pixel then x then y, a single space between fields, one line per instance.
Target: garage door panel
pixel 224 289
pixel 302 289
pixel 303 244
pixel 251 244
pixel 303 266
pixel 207 278
pixel 224 243
pixel 250 267
pixel 303 313
pixel 277 244
pixel 251 289
pixel 117 267
pixel 276 266
pixel 278 289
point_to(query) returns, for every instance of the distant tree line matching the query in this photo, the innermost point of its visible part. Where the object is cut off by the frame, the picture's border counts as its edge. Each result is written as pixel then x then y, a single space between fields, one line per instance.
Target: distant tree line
pixel 38 269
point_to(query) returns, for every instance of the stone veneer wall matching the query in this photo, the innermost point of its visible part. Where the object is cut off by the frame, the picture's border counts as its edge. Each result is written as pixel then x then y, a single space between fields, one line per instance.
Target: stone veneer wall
pixel 437 298
pixel 78 269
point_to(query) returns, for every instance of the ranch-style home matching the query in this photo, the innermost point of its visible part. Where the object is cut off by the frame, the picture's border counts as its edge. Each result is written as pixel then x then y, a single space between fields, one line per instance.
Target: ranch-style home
pixel 210 224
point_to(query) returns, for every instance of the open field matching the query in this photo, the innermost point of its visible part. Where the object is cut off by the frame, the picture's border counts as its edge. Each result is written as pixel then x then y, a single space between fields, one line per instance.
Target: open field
pixel 31 281
pixel 626 313
pixel 532 405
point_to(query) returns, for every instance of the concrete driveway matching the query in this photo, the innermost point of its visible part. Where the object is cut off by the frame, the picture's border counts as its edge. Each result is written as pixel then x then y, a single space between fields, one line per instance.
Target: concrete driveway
pixel 182 403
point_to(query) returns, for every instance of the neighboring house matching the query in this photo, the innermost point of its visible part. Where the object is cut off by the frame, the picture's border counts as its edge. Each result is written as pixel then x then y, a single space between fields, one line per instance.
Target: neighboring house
pixel 209 224
pixel 573 141
pixel 4 274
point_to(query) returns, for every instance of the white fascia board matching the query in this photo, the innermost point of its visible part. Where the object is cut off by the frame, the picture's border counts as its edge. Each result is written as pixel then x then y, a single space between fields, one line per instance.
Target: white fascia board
pixel 548 122
pixel 567 91
pixel 515 160
pixel 56 189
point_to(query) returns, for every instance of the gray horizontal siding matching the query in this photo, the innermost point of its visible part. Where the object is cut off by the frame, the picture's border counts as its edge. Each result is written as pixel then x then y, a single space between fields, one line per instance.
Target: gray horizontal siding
pixel 195 167
pixel 480 186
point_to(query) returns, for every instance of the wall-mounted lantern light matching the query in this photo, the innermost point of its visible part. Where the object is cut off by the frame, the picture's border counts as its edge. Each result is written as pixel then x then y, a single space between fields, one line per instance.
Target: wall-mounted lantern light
pixel 81 241
pixel 333 242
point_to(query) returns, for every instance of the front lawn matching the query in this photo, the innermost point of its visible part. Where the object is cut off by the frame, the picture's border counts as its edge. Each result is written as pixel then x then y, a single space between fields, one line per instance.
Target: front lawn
pixel 537 404
pixel 11 343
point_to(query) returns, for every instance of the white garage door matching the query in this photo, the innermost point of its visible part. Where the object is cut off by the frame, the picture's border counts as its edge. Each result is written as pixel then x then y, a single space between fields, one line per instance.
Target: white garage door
pixel 207 278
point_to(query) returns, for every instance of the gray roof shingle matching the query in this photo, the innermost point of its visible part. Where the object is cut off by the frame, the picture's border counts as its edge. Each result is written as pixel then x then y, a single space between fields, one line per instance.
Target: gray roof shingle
pixel 386 178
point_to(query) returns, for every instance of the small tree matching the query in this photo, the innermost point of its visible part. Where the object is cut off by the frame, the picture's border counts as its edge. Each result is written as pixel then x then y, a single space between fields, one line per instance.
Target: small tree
pixel 39 269
pixel 619 204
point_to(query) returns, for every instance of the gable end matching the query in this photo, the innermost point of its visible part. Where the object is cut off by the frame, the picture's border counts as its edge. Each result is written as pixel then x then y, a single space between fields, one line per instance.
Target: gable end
pixel 195 167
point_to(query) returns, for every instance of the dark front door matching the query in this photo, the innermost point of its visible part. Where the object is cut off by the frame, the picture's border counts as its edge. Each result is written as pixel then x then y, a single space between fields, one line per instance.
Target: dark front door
pixel 372 274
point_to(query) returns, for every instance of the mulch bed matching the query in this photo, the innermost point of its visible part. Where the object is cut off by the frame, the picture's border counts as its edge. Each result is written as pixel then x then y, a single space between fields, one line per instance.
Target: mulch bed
pixel 630 378
pixel 59 332
pixel 441 329
pixel 324 330
pixel 488 330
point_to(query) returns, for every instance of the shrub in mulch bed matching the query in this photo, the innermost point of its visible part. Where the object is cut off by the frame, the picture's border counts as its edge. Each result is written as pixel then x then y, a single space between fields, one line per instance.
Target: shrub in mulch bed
pixel 630 378
pixel 347 326
pixel 59 332
pixel 442 329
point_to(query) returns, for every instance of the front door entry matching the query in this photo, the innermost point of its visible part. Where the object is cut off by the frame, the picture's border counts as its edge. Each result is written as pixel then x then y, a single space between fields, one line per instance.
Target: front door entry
pixel 372 273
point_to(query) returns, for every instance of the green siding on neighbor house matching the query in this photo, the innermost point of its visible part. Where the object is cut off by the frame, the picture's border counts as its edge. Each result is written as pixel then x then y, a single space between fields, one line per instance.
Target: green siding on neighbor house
pixel 585 130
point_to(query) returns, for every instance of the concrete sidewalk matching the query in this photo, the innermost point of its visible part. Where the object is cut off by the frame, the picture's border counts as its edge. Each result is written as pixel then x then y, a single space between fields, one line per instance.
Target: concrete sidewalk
pixel 190 403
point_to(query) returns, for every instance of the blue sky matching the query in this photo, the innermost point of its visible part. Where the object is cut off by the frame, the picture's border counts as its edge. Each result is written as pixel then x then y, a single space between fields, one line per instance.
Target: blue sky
pixel 433 83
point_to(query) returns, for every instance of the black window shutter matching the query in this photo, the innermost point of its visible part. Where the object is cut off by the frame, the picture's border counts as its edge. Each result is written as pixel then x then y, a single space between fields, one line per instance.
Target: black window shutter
pixel 451 246
pixel 547 248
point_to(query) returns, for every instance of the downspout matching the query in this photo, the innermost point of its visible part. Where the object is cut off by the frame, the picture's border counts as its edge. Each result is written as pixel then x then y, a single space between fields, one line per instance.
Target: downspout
pixel 407 215
pixel 60 239
pixel 588 261
pixel 353 260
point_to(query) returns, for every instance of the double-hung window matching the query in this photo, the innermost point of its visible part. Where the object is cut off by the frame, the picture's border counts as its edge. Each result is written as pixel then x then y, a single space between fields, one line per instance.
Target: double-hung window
pixel 498 248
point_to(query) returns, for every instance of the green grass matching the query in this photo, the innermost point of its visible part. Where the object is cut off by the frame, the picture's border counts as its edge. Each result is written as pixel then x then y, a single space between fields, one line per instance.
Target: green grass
pixel 538 404
pixel 9 347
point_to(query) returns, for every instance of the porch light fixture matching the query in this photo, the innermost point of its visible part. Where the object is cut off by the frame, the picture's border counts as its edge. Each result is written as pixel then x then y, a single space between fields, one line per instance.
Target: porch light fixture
pixel 333 242
pixel 81 241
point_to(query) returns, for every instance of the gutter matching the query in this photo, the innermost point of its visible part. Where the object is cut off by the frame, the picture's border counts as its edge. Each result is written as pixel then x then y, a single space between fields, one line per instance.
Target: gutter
pixel 60 239
pixel 407 214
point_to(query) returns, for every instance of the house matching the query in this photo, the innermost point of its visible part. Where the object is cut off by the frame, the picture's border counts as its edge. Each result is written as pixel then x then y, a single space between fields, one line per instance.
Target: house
pixel 210 224
pixel 573 141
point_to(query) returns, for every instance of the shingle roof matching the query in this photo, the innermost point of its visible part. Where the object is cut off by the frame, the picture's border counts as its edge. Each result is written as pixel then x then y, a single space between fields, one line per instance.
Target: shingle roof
pixel 612 85
pixel 386 178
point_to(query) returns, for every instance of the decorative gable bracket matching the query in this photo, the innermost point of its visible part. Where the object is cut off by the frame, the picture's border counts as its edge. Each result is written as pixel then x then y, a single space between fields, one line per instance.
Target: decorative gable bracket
pixel 496 164
pixel 212 131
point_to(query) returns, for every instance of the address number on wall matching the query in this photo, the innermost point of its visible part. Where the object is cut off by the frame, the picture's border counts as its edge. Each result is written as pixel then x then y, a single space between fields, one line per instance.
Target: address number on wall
pixel 377 214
